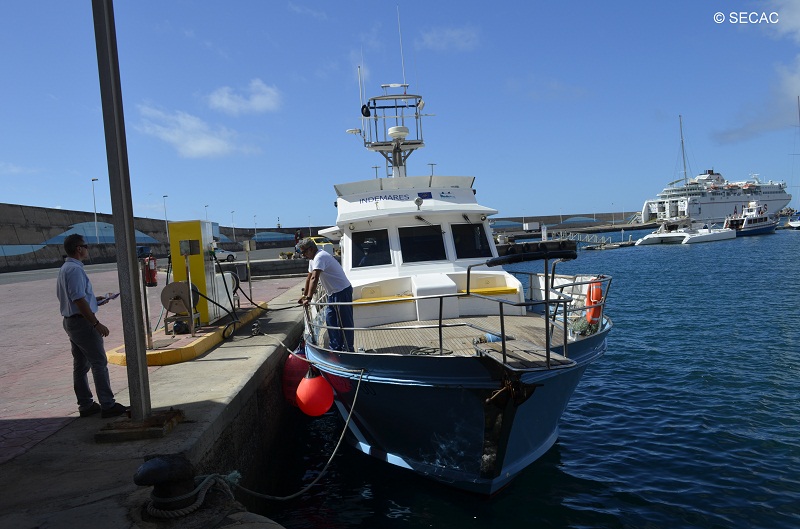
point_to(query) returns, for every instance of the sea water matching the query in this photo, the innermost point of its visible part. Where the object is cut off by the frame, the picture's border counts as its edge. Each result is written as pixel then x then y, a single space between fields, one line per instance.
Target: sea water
pixel 691 419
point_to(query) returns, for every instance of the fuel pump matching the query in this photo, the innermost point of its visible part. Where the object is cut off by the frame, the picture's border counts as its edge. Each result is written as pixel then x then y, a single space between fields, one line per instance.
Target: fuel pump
pixel 215 291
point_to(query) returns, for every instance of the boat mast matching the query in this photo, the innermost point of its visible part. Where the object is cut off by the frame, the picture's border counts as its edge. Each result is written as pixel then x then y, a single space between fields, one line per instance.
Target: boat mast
pixel 683 151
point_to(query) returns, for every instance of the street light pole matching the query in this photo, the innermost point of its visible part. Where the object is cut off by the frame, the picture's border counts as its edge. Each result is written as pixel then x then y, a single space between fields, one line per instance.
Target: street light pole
pixel 255 227
pixel 166 222
pixel 376 167
pixel 94 202
pixel 431 164
pixel 233 224
pixel 206 212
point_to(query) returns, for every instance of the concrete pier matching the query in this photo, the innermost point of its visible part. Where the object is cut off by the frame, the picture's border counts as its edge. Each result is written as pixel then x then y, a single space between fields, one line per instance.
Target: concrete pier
pixel 53 472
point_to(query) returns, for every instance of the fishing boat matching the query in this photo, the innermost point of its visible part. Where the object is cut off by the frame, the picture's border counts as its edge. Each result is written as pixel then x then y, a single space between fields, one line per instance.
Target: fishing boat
pixel 753 220
pixel 710 196
pixel 459 370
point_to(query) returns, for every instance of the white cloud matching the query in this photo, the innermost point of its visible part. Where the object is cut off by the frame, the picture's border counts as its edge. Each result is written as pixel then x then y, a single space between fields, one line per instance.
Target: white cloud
pixel 778 111
pixel 789 18
pixel 13 169
pixel 258 98
pixel 449 39
pixel 307 11
pixel 189 135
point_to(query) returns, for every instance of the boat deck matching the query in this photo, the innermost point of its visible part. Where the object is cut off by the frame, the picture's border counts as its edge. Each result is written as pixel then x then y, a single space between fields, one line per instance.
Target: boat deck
pixel 465 337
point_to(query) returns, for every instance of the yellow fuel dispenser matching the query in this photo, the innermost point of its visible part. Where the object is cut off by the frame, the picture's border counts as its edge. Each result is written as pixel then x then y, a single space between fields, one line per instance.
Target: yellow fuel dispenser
pixel 216 293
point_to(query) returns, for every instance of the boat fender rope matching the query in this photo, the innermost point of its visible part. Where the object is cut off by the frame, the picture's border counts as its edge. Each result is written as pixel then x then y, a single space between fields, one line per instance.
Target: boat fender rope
pixel 324 469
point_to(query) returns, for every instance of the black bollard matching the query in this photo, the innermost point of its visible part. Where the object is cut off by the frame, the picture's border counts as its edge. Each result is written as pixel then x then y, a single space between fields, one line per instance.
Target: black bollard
pixel 172 476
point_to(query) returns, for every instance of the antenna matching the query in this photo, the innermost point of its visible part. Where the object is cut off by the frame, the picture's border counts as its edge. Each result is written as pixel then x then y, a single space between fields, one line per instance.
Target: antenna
pixel 402 58
pixel 360 87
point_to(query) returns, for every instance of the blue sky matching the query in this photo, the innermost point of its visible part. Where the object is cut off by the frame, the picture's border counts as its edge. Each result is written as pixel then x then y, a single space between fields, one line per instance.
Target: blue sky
pixel 555 107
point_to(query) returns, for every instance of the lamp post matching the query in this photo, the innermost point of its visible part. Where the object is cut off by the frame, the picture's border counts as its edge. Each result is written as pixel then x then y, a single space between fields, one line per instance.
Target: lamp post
pixel 255 227
pixel 206 212
pixel 94 202
pixel 431 164
pixel 612 213
pixel 233 225
pixel 166 222
pixel 376 170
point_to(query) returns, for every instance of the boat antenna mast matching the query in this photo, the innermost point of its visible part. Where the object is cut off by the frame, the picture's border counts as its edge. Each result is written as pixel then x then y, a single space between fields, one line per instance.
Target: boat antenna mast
pixel 391 124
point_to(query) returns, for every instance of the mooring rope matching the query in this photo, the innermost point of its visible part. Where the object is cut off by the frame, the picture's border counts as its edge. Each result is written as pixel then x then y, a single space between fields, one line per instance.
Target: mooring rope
pixel 225 482
pixel 324 469
pixel 204 484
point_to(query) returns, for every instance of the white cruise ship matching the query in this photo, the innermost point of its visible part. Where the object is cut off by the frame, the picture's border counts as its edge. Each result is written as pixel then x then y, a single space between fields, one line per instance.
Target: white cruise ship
pixel 710 198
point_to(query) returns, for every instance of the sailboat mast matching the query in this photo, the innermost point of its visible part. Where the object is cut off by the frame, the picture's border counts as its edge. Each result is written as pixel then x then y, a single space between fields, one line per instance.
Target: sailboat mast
pixel 683 151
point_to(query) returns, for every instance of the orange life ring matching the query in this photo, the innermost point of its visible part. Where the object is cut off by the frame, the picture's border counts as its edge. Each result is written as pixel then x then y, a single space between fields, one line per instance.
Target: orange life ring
pixel 593 297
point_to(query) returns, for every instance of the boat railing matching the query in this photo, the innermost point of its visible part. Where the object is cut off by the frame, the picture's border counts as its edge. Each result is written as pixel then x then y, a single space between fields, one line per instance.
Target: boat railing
pixel 550 307
pixel 562 303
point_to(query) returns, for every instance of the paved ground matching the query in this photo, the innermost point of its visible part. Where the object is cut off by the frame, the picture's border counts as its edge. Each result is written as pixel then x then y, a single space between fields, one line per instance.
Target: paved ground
pixel 36 397
pixel 59 475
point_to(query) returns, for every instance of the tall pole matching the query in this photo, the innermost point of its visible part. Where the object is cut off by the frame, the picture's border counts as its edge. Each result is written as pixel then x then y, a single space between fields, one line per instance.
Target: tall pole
pixel 431 164
pixel 206 212
pixel 166 222
pixel 376 167
pixel 122 208
pixel 233 225
pixel 255 227
pixel 94 202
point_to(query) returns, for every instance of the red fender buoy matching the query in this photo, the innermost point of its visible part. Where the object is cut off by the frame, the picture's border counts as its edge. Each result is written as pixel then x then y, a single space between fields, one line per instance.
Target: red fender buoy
pixel 294 369
pixel 314 394
pixel 593 297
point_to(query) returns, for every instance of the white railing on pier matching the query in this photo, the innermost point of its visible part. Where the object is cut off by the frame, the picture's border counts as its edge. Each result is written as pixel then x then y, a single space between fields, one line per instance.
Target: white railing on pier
pixel 589 238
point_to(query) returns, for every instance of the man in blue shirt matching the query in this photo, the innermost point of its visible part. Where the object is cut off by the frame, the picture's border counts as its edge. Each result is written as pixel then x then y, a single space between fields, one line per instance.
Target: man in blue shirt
pixel 323 267
pixel 78 306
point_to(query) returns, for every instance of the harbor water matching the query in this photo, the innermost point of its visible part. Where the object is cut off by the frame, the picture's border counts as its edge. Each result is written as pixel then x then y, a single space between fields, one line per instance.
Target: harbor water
pixel 691 419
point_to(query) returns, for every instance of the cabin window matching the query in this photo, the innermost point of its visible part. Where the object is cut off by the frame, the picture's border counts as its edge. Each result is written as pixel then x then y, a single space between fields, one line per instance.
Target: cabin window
pixel 371 248
pixel 470 241
pixel 422 243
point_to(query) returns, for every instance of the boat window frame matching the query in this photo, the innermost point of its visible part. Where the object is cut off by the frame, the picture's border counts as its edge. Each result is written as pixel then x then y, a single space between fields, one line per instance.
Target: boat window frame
pixel 418 248
pixel 455 229
pixel 361 258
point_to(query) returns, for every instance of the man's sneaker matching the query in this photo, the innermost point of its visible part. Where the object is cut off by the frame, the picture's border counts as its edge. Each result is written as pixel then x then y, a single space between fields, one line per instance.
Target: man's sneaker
pixel 91 410
pixel 114 411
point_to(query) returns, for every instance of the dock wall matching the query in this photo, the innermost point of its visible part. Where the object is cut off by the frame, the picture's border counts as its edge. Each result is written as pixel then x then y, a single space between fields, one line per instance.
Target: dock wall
pixel 32 237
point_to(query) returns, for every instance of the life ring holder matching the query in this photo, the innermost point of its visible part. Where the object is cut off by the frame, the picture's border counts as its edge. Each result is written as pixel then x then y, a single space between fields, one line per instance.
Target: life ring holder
pixel 594 295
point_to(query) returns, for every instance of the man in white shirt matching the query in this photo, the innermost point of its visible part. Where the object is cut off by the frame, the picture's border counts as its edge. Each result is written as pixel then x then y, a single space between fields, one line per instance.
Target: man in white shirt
pixel 323 267
pixel 78 306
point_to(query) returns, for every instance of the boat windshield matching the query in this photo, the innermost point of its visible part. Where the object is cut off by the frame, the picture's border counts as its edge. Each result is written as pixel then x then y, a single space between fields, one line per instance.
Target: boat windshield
pixel 422 243
pixel 371 248
pixel 470 241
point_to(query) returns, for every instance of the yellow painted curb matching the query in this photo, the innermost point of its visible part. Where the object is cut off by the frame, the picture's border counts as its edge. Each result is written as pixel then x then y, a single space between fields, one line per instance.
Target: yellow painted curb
pixel 164 357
